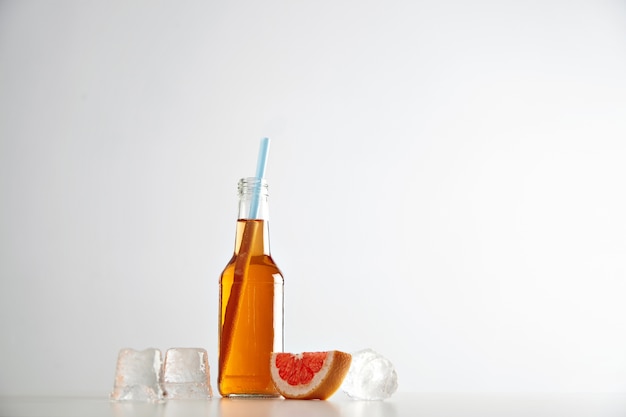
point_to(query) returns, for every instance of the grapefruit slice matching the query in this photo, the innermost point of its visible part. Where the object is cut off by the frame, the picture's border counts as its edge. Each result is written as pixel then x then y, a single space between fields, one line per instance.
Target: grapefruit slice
pixel 309 375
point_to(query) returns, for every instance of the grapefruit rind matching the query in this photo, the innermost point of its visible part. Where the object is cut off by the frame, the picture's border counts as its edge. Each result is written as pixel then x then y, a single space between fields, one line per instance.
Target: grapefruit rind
pixel 325 382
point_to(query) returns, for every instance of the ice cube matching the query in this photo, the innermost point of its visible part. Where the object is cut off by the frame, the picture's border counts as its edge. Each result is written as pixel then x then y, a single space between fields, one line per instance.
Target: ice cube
pixel 371 376
pixel 186 374
pixel 137 376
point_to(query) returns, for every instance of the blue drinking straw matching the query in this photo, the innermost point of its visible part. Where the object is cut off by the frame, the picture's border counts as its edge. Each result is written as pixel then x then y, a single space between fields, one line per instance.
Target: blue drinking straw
pixel 260 174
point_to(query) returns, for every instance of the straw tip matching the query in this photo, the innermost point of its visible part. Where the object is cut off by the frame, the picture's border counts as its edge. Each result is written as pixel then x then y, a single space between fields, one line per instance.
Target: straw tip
pixel 265 143
pixel 262 161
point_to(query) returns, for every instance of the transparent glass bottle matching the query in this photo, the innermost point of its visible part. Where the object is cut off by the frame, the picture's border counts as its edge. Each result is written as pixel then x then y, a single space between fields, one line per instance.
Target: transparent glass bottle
pixel 251 301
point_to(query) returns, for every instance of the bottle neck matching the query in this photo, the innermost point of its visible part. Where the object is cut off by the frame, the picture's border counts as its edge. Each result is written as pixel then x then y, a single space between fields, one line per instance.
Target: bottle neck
pixel 247 210
pixel 252 238
pixel 253 194
pixel 253 218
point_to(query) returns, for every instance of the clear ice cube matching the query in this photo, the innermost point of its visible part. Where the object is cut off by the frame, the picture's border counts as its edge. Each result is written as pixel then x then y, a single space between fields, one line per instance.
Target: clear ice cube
pixel 186 374
pixel 137 376
pixel 371 376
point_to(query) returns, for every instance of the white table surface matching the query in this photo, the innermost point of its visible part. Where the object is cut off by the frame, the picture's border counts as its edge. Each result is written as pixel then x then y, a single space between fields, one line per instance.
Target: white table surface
pixel 400 405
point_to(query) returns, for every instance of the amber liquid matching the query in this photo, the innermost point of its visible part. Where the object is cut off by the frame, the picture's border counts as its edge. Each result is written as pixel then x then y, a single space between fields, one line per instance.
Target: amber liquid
pixel 251 315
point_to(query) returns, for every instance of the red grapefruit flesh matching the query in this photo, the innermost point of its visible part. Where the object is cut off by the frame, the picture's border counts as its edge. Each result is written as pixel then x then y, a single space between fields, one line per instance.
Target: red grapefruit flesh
pixel 309 375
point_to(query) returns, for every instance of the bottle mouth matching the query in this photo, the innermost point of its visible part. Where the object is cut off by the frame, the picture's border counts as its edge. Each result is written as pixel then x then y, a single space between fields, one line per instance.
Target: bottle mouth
pixel 252 185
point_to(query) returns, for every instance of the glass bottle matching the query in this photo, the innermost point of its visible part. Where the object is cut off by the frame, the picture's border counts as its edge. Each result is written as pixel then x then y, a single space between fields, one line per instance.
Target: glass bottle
pixel 251 301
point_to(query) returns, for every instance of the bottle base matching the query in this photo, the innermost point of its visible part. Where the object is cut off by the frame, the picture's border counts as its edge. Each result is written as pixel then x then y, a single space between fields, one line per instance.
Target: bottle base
pixel 244 396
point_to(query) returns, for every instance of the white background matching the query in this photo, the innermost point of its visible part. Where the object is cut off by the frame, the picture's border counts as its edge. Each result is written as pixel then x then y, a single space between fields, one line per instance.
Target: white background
pixel 447 184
